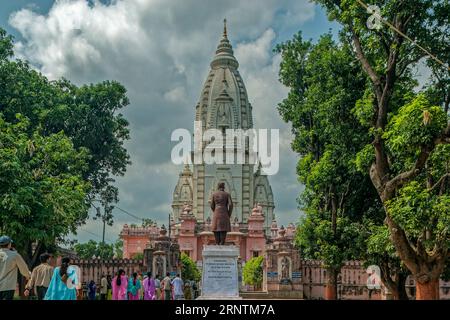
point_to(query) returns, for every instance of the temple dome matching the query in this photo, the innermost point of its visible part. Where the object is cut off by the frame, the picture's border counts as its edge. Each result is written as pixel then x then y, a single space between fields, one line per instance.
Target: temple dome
pixel 223 101
pixel 224 54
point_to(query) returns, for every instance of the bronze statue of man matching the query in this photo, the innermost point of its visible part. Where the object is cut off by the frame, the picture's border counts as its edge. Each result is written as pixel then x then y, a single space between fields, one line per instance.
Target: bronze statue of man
pixel 222 207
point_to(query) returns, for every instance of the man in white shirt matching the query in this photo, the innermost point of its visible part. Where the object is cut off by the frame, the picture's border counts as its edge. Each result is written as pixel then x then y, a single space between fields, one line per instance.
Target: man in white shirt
pixel 178 288
pixel 103 287
pixel 167 287
pixel 10 262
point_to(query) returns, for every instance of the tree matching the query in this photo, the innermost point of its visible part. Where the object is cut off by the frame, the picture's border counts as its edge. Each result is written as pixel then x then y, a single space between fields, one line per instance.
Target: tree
pixel 381 252
pixel 86 250
pixel 147 223
pixel 105 250
pixel 138 256
pixel 325 83
pixel 118 248
pixel 86 118
pixel 92 249
pixel 88 115
pixel 252 272
pixel 407 131
pixel 42 191
pixel 189 270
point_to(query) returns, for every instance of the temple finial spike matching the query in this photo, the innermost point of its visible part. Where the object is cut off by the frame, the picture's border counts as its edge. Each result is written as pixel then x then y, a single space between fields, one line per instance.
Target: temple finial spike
pixel 225 27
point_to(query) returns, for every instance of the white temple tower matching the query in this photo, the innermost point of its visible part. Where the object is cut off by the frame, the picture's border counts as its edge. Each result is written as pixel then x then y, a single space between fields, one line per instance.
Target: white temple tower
pixel 224 104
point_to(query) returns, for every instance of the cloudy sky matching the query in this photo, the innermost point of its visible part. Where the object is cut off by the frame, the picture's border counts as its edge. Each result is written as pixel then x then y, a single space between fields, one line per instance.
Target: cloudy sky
pixel 160 50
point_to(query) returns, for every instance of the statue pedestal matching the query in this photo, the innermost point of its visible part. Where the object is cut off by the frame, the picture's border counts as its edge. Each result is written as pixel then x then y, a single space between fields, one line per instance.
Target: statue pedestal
pixel 220 273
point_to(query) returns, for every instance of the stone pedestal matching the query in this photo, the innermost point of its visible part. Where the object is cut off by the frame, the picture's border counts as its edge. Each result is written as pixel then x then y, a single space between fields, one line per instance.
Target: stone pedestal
pixel 220 273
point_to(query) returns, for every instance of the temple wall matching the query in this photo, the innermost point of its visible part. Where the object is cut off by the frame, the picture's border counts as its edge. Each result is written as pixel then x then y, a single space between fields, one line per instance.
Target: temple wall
pixel 93 269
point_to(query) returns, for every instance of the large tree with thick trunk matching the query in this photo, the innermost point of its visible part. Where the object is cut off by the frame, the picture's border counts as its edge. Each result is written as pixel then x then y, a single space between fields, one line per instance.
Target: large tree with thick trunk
pixel 325 83
pixel 409 151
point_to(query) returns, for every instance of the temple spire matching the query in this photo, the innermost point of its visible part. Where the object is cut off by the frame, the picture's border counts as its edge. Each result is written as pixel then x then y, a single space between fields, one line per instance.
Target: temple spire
pixel 225 27
pixel 224 54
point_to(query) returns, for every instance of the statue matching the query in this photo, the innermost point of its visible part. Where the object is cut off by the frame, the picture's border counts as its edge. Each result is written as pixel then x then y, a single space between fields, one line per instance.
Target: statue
pixel 159 265
pixel 223 114
pixel 285 268
pixel 222 207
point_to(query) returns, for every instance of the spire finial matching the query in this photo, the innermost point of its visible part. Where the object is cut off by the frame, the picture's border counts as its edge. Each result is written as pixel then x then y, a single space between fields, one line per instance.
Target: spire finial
pixel 225 27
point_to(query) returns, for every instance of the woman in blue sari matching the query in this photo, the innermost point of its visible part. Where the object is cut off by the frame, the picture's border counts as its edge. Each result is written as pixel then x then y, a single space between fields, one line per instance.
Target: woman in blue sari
pixel 64 282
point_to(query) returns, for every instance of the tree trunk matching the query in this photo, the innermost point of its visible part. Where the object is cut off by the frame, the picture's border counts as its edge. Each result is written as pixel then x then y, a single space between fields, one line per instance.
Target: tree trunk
pixel 399 290
pixel 427 290
pixel 331 286
pixel 394 278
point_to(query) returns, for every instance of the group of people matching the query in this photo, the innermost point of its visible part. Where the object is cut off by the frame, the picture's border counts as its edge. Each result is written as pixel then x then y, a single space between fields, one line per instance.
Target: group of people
pixel 63 282
pixel 151 288
pixel 49 283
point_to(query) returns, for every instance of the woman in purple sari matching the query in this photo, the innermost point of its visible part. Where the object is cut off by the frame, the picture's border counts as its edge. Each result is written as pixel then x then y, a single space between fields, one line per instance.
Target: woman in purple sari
pixel 149 287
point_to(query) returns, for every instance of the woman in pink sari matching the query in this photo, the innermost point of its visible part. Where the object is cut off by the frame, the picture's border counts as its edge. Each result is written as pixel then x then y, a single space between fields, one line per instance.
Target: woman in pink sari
pixel 149 287
pixel 120 286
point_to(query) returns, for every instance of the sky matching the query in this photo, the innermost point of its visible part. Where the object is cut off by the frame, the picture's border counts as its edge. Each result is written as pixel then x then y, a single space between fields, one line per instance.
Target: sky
pixel 160 51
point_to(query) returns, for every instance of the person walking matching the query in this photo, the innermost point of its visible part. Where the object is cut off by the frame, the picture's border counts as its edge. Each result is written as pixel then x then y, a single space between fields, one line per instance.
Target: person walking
pixel 149 287
pixel 119 286
pixel 167 285
pixel 40 277
pixel 64 282
pixel 10 262
pixel 195 289
pixel 177 284
pixel 109 286
pixel 187 291
pixel 103 287
pixel 134 286
pixel 92 290
pixel 157 288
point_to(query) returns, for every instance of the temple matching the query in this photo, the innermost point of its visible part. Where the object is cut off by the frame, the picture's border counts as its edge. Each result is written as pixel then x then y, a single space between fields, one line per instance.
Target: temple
pixel 224 104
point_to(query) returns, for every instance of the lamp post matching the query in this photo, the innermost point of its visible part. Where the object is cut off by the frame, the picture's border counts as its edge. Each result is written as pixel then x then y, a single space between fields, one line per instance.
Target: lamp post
pixel 103 216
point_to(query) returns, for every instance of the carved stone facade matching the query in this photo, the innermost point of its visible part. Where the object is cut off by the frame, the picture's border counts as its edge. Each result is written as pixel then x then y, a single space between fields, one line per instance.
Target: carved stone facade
pixel 162 255
pixel 283 276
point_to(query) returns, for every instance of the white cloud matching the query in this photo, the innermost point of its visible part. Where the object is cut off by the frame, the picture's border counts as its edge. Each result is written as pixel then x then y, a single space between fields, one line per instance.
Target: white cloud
pixel 160 50
pixel 177 94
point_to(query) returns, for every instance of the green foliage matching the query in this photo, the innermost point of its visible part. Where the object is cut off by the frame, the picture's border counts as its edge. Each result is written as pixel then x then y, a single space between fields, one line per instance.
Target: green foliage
pixel 422 214
pixel 363 109
pixel 406 125
pixel 118 248
pixel 189 270
pixel 417 123
pixel 60 153
pixel 6 45
pixel 316 240
pixel 147 222
pixel 42 191
pixel 92 249
pixel 138 256
pixel 365 158
pixel 252 271
pixel 325 84
pixel 86 250
pixel 88 115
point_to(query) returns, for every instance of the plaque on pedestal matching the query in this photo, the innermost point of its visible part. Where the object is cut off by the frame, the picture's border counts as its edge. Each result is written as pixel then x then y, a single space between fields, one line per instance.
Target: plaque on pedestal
pixel 220 273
